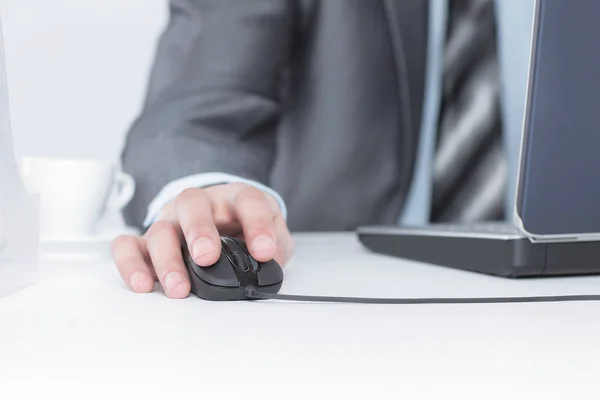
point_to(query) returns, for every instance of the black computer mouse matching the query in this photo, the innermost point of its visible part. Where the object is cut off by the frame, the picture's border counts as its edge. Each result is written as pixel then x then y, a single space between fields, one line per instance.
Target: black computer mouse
pixel 233 273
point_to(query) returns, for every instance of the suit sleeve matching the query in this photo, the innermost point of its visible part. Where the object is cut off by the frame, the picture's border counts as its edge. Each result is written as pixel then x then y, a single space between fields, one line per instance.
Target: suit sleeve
pixel 214 97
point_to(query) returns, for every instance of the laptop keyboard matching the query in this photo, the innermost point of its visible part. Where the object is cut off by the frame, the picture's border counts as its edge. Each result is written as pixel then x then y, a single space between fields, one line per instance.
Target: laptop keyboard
pixel 485 229
pixel 495 228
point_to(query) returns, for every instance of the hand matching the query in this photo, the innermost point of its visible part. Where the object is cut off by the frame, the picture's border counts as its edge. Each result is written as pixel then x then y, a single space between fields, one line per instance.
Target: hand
pixel 200 217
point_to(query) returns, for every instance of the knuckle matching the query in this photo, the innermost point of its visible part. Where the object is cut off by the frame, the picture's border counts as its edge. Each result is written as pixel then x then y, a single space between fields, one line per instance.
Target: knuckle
pixel 128 261
pixel 249 194
pixel 167 268
pixel 260 227
pixel 121 241
pixel 219 191
pixel 223 218
pixel 237 185
pixel 187 195
pixel 159 228
pixel 274 205
pixel 193 231
pixel 190 232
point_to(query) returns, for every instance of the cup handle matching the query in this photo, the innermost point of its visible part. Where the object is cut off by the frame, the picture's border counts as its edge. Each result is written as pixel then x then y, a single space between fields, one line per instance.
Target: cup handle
pixel 123 191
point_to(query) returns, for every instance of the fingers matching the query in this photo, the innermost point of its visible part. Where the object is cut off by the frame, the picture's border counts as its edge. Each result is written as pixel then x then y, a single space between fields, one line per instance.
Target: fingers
pixel 255 215
pixel 163 244
pixel 130 257
pixel 199 217
pixel 194 213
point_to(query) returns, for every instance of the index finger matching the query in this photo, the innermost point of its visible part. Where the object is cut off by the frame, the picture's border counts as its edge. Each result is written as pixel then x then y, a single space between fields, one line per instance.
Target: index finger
pixel 194 214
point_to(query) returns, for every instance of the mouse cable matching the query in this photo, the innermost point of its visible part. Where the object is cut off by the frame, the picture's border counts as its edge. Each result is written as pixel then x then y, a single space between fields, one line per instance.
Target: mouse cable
pixel 254 294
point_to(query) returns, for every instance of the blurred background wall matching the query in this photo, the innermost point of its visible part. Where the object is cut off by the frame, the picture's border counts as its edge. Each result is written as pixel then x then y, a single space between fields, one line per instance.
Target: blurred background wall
pixel 77 72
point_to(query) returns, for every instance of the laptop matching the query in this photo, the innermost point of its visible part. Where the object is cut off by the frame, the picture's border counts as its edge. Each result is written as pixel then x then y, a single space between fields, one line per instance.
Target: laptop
pixel 556 221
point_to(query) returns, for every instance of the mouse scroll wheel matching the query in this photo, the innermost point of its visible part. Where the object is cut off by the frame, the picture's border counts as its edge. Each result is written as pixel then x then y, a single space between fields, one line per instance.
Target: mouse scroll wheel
pixel 240 261
pixel 245 262
pixel 238 255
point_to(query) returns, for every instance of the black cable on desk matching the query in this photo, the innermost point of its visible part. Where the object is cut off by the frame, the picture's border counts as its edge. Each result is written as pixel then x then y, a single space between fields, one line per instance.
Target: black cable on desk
pixel 255 294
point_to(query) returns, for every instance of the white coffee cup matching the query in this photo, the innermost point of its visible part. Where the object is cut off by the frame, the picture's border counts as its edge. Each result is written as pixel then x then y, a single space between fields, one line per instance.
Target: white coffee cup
pixel 75 194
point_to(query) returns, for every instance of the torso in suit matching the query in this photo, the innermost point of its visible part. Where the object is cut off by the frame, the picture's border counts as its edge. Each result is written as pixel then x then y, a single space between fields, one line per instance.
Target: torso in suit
pixel 330 103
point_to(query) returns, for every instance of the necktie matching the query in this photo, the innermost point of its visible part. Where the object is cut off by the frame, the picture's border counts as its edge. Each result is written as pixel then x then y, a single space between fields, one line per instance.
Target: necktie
pixel 470 171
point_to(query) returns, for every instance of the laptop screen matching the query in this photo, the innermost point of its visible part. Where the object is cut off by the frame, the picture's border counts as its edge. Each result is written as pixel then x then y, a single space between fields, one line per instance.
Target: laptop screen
pixel 559 185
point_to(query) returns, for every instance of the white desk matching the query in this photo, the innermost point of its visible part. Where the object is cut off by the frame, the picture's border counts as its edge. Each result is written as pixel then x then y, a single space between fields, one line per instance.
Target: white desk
pixel 81 329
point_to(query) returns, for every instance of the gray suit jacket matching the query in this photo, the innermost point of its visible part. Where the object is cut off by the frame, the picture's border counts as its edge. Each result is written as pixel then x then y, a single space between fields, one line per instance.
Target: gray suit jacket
pixel 320 100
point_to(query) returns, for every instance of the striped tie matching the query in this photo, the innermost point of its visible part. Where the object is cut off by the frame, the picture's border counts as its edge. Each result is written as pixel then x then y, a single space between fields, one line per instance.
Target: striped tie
pixel 470 170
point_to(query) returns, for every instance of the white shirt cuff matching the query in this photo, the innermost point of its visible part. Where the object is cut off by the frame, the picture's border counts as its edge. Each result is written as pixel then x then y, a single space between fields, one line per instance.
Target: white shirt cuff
pixel 174 188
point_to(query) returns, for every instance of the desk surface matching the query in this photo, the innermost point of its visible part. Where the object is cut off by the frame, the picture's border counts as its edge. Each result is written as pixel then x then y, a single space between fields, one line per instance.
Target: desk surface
pixel 81 328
